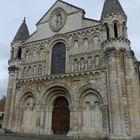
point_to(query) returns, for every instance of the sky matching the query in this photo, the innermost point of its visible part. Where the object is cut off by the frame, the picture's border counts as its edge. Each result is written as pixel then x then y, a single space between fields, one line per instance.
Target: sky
pixel 12 13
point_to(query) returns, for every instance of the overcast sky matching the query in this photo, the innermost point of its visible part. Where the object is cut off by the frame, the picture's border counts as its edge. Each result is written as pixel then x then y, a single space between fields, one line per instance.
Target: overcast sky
pixel 12 13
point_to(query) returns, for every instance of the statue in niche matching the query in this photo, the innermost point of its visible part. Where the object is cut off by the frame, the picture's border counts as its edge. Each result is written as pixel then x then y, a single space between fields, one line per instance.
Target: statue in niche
pixel 40 70
pixel 96 62
pixel 41 54
pixel 75 65
pixel 76 46
pixel 27 56
pixel 89 62
pixel 85 44
pixel 57 19
pixel 34 70
pixel 34 55
pixel 29 71
pixel 82 63
pixel 70 40
pixel 96 41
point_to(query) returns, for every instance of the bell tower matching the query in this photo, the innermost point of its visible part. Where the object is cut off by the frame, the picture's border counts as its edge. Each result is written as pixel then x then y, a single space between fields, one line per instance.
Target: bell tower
pixel 14 65
pixel 120 63
pixel 114 20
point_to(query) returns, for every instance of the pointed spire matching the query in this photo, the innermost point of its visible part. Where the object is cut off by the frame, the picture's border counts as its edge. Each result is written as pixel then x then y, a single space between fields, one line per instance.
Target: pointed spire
pixel 22 33
pixel 24 20
pixel 112 6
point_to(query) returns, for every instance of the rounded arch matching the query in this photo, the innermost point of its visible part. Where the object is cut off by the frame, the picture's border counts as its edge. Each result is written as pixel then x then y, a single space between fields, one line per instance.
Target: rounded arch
pixel 55 41
pixel 106 30
pixel 27 55
pixel 124 29
pixel 19 52
pixel 61 116
pixel 88 89
pixel 55 90
pixel 25 96
pixel 58 58
pixel 116 28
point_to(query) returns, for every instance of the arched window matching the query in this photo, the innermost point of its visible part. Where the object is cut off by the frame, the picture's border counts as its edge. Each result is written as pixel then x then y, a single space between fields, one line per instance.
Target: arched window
pixel 124 30
pixel 106 28
pixel 58 58
pixel 19 52
pixel 116 29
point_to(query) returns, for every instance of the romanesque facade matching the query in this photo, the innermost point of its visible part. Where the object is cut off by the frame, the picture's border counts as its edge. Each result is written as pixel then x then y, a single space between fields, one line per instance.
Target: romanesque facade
pixel 74 76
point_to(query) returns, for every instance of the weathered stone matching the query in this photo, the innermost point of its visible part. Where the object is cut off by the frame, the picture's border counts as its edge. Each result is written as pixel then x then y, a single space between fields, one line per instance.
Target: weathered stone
pixel 98 76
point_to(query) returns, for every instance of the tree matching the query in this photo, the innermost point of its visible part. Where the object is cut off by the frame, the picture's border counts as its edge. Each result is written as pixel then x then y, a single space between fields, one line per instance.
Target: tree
pixel 3 100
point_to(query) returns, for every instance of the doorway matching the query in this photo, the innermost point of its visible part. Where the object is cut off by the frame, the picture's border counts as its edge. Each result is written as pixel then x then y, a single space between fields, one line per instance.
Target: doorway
pixel 61 116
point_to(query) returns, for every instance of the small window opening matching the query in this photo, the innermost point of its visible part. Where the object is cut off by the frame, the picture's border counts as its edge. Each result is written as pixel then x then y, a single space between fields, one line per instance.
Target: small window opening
pixel 19 53
pixel 115 30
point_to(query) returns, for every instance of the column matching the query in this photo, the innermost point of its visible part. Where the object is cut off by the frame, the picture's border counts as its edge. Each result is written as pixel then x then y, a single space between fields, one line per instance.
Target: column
pixel 105 120
pixel 74 121
pixel 48 122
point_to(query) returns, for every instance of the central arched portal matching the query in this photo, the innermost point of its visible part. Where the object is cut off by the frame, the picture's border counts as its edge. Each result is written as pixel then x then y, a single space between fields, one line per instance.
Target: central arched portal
pixel 61 116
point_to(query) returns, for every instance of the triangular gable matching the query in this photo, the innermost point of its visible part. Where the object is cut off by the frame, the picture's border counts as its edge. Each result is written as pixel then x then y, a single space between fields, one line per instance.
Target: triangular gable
pixel 73 19
pixel 70 8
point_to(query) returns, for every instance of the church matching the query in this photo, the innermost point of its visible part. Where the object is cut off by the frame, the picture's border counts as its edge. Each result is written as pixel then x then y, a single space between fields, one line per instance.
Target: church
pixel 74 76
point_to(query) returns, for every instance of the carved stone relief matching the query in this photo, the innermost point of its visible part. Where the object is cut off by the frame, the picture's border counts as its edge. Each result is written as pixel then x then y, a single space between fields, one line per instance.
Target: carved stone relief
pixel 57 19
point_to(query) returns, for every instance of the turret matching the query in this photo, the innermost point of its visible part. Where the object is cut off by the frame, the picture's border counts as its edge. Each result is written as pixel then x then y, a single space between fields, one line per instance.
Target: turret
pixel 114 20
pixel 21 36
pixel 14 65
pixel 121 71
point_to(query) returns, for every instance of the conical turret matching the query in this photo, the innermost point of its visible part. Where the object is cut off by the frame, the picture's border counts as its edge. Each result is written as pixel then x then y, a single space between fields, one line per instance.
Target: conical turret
pixel 112 7
pixel 22 33
pixel 114 20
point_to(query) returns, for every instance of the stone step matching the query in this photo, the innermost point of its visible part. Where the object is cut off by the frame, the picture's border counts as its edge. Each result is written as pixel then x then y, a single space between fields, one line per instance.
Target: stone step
pixel 34 137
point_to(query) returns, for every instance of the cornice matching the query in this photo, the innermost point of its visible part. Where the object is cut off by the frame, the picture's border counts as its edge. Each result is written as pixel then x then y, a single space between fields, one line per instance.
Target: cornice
pixel 61 76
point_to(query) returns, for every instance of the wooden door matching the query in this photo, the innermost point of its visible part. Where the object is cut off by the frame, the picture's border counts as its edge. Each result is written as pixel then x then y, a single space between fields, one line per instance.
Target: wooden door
pixel 61 116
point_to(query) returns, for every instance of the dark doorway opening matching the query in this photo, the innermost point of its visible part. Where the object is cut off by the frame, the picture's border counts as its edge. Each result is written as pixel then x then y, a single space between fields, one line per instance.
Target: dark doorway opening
pixel 61 116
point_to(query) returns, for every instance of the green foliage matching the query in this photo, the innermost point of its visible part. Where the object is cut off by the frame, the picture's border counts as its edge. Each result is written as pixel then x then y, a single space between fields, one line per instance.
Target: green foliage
pixel 3 99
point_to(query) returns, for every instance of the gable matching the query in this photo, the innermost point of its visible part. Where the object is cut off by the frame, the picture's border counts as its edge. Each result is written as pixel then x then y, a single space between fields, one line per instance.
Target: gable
pixel 61 18
pixel 67 7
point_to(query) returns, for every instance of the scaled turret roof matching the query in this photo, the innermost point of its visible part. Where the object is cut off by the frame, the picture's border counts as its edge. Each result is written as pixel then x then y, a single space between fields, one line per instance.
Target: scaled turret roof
pixel 112 6
pixel 22 33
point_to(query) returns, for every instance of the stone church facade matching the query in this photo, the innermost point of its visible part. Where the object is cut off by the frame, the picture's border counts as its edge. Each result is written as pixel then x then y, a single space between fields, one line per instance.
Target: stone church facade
pixel 74 76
